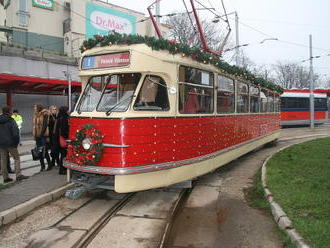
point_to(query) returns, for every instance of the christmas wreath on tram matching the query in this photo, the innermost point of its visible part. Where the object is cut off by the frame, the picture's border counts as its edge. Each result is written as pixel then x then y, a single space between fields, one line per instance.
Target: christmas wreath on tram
pixel 87 147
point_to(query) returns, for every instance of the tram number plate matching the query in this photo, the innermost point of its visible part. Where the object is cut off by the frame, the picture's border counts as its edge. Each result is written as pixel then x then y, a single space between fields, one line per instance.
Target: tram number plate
pixel 106 60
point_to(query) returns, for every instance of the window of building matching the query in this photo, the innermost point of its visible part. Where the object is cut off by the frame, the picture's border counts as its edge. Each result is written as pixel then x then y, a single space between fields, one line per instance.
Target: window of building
pixel 254 99
pixel 225 95
pixel 263 100
pixel 195 91
pixel 23 14
pixel 153 95
pixel 242 97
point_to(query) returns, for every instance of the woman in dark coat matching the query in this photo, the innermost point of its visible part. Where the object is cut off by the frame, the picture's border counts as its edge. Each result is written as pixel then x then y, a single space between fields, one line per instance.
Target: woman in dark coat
pixel 53 147
pixel 61 129
pixel 41 132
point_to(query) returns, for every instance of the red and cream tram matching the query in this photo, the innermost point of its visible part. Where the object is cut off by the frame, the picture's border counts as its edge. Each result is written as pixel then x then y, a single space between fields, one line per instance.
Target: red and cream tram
pixel 149 118
pixel 295 108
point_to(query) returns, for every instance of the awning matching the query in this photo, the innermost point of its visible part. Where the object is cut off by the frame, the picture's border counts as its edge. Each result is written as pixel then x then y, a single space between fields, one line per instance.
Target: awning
pixel 33 85
pixel 6 29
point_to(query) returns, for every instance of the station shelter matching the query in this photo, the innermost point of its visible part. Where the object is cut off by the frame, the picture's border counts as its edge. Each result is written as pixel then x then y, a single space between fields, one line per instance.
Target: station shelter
pixel 25 81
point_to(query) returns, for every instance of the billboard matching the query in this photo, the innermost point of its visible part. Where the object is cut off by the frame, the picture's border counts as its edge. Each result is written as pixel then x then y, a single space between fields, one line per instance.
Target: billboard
pixel 101 21
pixel 46 4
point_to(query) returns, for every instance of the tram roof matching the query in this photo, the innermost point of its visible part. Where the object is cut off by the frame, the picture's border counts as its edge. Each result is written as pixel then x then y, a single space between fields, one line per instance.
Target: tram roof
pixel 142 52
pixel 303 95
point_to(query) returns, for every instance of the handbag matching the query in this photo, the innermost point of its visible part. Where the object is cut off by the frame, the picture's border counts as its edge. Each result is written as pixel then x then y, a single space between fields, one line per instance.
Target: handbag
pixel 63 142
pixel 37 153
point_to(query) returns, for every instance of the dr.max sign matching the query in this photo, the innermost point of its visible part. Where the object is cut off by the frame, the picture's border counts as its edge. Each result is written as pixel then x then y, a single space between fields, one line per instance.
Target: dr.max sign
pixel 100 20
pixel 47 4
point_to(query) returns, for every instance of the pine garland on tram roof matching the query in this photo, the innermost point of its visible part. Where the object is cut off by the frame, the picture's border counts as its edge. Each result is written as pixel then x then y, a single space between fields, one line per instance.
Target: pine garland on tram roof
pixel 178 48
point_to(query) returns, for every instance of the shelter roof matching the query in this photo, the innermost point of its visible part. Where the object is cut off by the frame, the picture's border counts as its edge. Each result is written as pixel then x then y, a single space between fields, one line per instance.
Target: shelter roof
pixel 34 85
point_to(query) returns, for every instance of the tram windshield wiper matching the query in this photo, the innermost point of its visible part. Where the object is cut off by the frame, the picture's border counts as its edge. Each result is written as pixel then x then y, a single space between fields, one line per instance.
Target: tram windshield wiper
pixel 117 104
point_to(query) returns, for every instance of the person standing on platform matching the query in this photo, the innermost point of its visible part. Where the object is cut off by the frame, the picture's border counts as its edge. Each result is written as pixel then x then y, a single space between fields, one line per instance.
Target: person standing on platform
pixel 40 132
pixel 61 129
pixel 54 151
pixel 19 121
pixel 9 140
pixel 9 170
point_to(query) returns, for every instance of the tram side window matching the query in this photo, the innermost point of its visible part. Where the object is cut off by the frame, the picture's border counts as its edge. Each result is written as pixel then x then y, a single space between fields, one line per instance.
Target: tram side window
pixel 153 95
pixel 92 93
pixel 294 103
pixel 225 95
pixel 263 100
pixel 195 91
pixel 242 98
pixel 277 103
pixel 320 103
pixel 254 99
pixel 270 102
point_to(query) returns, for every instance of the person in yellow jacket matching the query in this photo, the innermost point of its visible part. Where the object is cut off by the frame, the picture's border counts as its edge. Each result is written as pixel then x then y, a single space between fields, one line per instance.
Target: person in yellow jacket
pixel 19 121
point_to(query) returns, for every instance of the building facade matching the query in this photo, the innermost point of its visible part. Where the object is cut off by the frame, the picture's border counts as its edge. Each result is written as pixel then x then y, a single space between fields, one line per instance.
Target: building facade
pixel 37 38
pixel 62 25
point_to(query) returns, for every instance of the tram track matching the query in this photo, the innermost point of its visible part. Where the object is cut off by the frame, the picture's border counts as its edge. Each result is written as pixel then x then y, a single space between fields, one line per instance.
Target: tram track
pixel 97 227
pixel 184 194
pixel 71 230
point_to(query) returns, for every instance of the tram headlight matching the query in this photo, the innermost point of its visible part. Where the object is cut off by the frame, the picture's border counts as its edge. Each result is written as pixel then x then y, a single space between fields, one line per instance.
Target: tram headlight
pixel 86 143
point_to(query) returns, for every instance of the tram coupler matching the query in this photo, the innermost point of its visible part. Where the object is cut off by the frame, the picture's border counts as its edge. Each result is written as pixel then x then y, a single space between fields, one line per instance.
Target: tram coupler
pixel 182 185
pixel 88 182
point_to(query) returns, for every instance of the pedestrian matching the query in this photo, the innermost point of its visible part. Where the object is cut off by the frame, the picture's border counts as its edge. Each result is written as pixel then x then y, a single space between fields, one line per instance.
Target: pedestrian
pixel 54 151
pixel 9 134
pixel 40 132
pixel 61 129
pixel 19 121
pixel 9 170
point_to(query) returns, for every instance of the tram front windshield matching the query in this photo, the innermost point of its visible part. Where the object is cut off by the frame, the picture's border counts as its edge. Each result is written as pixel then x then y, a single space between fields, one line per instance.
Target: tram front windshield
pixel 109 93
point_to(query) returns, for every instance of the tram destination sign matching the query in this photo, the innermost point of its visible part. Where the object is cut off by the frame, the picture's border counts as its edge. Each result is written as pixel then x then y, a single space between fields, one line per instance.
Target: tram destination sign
pixel 105 60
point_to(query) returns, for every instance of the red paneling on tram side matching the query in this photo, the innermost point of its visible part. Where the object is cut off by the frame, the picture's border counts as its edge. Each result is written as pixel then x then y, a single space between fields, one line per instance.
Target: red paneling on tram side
pixel 159 140
pixel 302 115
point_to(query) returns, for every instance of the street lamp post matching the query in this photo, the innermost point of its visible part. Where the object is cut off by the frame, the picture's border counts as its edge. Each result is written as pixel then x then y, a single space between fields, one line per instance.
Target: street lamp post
pixel 68 78
pixel 311 78
pixel 237 39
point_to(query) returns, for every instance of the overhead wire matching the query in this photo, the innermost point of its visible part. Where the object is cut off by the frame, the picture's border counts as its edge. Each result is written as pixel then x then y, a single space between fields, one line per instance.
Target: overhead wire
pixel 192 24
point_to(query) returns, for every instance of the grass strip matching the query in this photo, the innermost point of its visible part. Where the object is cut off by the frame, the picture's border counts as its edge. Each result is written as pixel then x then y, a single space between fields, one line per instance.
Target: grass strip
pixel 256 198
pixel 299 178
pixel 3 186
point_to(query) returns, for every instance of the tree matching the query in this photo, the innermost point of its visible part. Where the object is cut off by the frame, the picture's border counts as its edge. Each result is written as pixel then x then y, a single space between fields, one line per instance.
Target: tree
pixel 327 83
pixel 292 75
pixel 183 31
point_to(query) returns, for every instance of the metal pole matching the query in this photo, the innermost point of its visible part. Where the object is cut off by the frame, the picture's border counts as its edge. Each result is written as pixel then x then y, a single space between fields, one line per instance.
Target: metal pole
pixel 311 78
pixel 237 39
pixel 69 92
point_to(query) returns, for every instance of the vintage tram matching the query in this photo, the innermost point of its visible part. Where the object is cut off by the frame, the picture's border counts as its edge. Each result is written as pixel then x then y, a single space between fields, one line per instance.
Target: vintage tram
pixel 150 118
pixel 295 108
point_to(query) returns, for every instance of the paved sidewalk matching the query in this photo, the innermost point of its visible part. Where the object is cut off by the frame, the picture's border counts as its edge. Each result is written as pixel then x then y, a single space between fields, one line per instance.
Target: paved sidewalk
pixel 38 183
pixel 25 190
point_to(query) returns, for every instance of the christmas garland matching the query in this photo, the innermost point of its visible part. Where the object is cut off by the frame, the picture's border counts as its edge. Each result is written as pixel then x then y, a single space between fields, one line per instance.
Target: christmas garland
pixel 76 152
pixel 178 48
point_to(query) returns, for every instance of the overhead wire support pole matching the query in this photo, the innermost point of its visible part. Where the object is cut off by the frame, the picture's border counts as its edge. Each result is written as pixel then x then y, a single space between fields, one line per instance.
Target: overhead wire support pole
pixel 159 34
pixel 200 30
pixel 237 39
pixel 311 78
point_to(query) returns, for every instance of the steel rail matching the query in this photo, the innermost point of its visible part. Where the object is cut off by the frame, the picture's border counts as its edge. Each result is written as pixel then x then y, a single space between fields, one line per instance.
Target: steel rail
pixel 178 205
pixel 101 222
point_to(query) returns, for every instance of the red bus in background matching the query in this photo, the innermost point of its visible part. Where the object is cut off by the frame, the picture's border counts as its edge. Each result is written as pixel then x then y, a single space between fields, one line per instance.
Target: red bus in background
pixel 295 107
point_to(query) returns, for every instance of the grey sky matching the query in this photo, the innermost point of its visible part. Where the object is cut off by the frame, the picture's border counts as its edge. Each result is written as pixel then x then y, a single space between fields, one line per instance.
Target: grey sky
pixel 287 20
